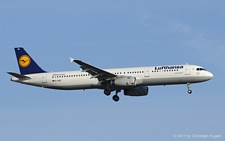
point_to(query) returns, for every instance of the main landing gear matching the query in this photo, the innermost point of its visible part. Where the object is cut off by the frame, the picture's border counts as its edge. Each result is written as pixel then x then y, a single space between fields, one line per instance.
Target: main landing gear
pixel 189 86
pixel 115 97
pixel 107 92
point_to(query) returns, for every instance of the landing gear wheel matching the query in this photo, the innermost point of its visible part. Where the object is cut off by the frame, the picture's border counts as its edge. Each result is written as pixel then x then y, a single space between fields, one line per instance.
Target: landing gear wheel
pixel 116 98
pixel 189 86
pixel 189 91
pixel 107 92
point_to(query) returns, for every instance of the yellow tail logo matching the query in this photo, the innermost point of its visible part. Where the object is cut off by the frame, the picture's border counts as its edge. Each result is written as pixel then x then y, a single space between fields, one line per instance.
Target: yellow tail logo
pixel 24 61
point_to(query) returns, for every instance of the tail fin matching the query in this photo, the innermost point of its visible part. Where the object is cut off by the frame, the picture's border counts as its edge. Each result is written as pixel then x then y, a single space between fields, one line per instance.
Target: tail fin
pixel 26 64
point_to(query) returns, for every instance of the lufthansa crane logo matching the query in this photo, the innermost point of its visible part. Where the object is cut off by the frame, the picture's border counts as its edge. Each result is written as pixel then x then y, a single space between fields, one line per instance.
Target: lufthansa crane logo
pixel 24 61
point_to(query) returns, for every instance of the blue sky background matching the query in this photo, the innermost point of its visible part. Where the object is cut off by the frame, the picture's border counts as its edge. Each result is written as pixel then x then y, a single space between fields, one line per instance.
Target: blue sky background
pixel 111 34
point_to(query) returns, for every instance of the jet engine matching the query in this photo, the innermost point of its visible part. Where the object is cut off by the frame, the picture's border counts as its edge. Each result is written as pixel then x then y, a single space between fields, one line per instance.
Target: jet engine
pixel 137 91
pixel 124 81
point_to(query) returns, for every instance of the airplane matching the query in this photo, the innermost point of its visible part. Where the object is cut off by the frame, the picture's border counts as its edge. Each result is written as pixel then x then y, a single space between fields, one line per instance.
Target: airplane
pixel 133 81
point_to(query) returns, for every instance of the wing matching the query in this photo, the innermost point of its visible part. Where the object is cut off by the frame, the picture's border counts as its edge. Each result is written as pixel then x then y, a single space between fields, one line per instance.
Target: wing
pixel 94 71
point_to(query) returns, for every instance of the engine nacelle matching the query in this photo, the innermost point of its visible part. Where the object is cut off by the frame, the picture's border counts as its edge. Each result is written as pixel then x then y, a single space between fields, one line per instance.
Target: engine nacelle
pixel 137 91
pixel 124 81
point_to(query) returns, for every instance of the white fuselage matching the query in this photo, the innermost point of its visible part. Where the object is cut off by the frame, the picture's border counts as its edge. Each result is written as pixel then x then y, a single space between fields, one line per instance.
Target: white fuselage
pixel 146 76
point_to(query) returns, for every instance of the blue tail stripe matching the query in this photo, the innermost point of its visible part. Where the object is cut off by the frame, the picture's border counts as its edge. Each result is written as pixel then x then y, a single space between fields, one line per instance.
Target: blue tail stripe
pixel 26 64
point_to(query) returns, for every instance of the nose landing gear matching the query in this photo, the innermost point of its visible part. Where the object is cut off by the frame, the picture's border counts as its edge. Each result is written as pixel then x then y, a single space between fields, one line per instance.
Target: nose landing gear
pixel 189 91
pixel 189 86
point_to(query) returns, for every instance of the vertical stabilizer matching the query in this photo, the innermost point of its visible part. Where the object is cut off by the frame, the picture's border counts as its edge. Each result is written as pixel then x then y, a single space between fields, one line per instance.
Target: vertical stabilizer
pixel 26 64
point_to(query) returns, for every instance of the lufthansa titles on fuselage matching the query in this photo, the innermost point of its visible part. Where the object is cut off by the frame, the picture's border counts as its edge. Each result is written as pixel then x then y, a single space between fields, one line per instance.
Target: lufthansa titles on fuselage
pixel 168 67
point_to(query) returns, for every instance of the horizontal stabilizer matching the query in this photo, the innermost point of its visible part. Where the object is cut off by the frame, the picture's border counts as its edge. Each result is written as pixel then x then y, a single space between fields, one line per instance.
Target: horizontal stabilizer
pixel 19 76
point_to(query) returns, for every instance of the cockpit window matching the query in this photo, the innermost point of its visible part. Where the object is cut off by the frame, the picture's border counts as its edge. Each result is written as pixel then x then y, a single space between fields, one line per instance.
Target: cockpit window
pixel 200 69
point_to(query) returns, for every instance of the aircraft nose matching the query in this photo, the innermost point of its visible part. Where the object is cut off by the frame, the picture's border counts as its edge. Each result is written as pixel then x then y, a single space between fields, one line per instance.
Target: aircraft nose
pixel 210 75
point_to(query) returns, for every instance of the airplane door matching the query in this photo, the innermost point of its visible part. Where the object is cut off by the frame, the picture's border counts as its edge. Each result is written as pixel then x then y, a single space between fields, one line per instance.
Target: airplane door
pixel 146 73
pixel 187 70
pixel 44 78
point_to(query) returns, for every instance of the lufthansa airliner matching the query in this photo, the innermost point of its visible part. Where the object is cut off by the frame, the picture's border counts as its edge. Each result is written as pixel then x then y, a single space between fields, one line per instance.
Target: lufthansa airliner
pixel 133 81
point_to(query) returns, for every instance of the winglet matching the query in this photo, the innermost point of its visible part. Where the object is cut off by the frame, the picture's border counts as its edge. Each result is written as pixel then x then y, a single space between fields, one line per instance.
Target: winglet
pixel 71 59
